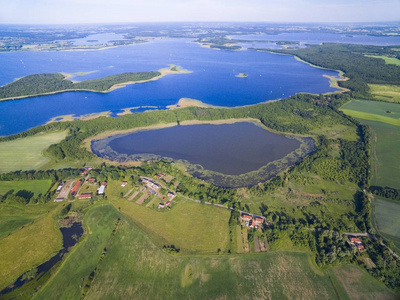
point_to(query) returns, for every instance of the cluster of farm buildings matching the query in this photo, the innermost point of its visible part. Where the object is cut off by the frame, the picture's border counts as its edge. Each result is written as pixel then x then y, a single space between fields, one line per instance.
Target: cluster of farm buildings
pixel 356 242
pixel 252 221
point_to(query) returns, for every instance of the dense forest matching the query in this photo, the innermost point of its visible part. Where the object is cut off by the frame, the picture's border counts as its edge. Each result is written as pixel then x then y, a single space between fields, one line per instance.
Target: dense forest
pixel 38 84
pixel 352 60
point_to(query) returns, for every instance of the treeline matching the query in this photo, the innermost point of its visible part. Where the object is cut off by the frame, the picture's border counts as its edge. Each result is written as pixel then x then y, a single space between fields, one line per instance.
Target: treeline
pixel 38 84
pixel 352 60
pixel 386 192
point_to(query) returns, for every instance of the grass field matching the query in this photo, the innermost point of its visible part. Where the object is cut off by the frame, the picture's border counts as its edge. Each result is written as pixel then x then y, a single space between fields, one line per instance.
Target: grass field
pixel 385 92
pixel 28 247
pixel 35 186
pixel 373 111
pixel 135 268
pixel 27 153
pixel 387 218
pixel 385 140
pixel 192 227
pixel 356 284
pixel 13 217
pixel 388 60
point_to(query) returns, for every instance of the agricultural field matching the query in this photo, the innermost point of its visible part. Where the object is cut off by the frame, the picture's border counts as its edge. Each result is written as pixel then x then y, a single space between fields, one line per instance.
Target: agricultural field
pixel 387 219
pixel 28 247
pixel 37 187
pixel 27 153
pixel 356 284
pixel 385 138
pixel 384 92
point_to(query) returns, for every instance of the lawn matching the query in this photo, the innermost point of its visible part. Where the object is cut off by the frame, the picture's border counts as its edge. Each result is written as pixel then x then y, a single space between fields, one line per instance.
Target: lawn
pixel 385 92
pixel 27 153
pixel 35 186
pixel 355 283
pixel 385 141
pixel 387 219
pixel 28 247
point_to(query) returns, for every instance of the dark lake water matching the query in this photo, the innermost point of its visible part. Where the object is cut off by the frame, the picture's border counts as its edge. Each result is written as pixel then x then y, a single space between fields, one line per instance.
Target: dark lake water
pixel 213 81
pixel 230 149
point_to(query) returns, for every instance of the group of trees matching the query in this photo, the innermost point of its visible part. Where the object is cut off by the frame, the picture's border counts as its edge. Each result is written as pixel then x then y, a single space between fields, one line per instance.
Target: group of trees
pixel 387 192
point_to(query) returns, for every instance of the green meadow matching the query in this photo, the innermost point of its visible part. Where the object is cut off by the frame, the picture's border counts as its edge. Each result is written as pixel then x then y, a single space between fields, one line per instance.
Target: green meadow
pixel 387 219
pixel 385 92
pixel 27 153
pixel 353 283
pixel 35 186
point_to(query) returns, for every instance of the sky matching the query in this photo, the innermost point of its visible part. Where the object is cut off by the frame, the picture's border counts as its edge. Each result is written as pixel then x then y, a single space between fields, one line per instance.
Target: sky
pixel 116 11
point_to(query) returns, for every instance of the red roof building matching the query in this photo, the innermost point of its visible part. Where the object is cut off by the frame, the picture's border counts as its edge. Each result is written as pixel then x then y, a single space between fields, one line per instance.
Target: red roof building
pixel 247 217
pixel 85 196
pixel 75 188
pixel 355 240
pixel 258 220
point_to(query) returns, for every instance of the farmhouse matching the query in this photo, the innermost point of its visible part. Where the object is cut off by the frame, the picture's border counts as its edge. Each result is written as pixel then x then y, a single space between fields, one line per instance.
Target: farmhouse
pixel 357 243
pixel 171 195
pixel 161 205
pixel 92 179
pixel 150 183
pixel 258 220
pixel 247 217
pixel 85 196
pixel 75 188
pixel 124 183
pixel 100 190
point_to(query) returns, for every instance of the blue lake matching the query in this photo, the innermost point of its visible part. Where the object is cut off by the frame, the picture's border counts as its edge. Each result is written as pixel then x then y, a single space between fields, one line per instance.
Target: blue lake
pixel 213 81
pixel 318 38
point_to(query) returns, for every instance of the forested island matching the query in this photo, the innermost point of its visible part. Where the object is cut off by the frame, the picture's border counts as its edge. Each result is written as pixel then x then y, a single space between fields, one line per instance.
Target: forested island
pixel 52 83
